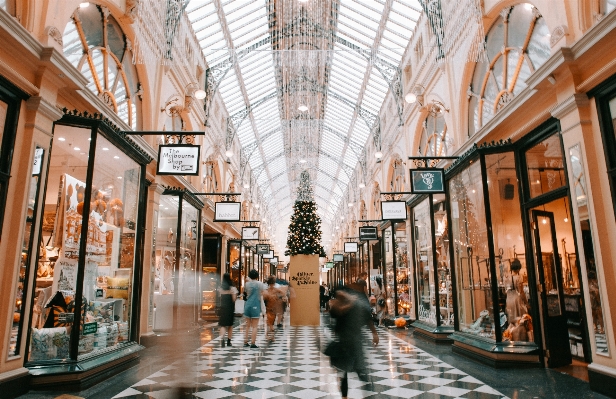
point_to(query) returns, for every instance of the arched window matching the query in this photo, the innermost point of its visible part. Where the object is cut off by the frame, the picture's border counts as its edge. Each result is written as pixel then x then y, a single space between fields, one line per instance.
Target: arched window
pixel 517 44
pixel 95 44
pixel 435 141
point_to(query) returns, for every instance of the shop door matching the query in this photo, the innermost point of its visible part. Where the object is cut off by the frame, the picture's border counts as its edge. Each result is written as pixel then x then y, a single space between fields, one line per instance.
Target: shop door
pixel 549 273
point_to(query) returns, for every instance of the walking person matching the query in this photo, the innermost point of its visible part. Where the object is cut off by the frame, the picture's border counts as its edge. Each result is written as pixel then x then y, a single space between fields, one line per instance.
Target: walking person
pixel 228 294
pixel 352 313
pixel 273 306
pixel 379 295
pixel 252 308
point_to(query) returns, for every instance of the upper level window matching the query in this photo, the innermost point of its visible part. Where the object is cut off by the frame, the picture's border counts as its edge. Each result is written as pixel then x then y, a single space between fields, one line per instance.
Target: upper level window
pixel 95 44
pixel 435 140
pixel 610 5
pixel 517 44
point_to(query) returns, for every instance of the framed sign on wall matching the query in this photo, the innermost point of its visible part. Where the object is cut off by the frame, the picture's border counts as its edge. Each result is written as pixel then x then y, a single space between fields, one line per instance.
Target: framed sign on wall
pixel 250 233
pixel 227 211
pixel 393 210
pixel 178 159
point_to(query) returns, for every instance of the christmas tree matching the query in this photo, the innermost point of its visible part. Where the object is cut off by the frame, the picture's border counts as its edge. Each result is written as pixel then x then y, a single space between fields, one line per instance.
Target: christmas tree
pixel 305 228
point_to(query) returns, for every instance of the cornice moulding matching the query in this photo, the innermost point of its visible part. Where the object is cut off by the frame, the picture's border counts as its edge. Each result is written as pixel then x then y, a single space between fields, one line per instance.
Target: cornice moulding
pixel 563 109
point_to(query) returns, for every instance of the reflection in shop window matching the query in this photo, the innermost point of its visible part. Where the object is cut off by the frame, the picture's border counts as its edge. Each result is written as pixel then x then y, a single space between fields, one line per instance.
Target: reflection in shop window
pixel 588 251
pixel 544 165
pixel 517 45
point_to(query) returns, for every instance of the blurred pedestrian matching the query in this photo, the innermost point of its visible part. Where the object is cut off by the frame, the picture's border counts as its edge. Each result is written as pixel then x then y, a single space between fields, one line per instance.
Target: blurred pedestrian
pixel 273 306
pixel 252 308
pixel 352 312
pixel 226 311
pixel 362 282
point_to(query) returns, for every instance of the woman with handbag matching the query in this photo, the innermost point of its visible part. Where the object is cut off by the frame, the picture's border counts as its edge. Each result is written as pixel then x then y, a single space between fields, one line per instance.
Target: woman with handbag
pixel 351 310
pixel 228 294
pixel 252 308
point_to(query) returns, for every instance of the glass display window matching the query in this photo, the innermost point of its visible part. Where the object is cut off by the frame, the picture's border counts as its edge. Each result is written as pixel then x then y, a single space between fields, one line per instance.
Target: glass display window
pixel 424 263
pixel 234 263
pixel 388 275
pixel 87 257
pixel 28 252
pixel 587 252
pixel 514 299
pixel 545 166
pixel 470 252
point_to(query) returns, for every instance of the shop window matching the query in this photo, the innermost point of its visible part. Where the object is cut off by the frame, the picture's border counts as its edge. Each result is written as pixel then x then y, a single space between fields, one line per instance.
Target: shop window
pixel 544 166
pixel 96 45
pixel 470 253
pixel 28 252
pixel 587 251
pixel 517 45
pixel 424 261
pixel 435 140
pixel 511 272
pixel 83 291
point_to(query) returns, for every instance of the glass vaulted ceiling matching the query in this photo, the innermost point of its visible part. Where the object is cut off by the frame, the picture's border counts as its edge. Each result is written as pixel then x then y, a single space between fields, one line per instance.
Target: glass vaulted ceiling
pixel 348 80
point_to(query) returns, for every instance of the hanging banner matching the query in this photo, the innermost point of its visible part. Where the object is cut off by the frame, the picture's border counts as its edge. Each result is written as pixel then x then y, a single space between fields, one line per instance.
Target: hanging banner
pixel 338 258
pixel 250 233
pixel 178 159
pixel 393 210
pixel 227 211
pixel 268 255
pixel 350 247
pixel 263 249
pixel 368 233
pixel 427 180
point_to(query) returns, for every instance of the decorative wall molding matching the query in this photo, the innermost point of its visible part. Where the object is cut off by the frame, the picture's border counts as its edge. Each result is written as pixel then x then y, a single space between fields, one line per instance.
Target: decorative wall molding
pixel 55 34
pixel 558 33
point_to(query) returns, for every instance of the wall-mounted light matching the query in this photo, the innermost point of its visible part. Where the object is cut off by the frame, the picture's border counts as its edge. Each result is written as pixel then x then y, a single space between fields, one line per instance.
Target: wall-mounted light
pixel 415 95
pixel 229 153
pixel 361 185
pixel 302 107
pixel 378 154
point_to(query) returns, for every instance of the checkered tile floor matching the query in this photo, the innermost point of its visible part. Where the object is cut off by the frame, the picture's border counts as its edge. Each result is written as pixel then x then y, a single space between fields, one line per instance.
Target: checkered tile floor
pixel 293 366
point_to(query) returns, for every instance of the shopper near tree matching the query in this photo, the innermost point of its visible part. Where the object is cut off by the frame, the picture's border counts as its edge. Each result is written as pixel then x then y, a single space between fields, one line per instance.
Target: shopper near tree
pixel 228 295
pixel 273 298
pixel 252 308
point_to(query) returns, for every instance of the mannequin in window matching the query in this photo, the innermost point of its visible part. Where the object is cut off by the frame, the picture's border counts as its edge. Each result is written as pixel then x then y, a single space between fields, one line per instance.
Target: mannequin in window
pixel 516 304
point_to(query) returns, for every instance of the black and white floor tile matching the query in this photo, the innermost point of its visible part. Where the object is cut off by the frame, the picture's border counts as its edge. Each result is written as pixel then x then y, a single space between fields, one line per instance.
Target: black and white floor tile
pixel 294 367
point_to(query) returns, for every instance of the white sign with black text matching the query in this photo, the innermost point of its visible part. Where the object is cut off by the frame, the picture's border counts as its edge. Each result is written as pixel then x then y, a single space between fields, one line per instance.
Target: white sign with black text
pixel 250 233
pixel 227 212
pixel 178 159
pixel 350 247
pixel 38 160
pixel 393 210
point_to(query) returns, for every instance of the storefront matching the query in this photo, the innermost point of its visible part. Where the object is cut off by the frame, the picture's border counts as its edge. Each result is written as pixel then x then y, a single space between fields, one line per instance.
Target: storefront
pixel 396 280
pixel 211 274
pixel 177 281
pixel 518 286
pixel 435 295
pixel 85 309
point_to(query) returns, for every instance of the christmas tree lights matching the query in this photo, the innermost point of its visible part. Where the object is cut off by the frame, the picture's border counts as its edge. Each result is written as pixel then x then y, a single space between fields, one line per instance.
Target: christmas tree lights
pixel 305 227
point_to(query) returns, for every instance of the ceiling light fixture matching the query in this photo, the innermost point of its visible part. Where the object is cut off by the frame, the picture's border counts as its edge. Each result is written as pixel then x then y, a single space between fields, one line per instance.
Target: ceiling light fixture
pixel 303 108
pixel 302 161
pixel 246 185
pixel 77 149
pixel 200 94
pixel 61 139
pixel 378 154
pixel 362 185
pixel 105 149
pixel 228 153
pixel 85 4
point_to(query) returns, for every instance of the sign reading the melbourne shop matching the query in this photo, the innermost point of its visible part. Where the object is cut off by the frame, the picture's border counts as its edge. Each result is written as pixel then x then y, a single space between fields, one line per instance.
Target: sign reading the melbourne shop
pixel 427 181
pixel 227 211
pixel 178 159
pixel 393 210
pixel 262 249
pixel 368 233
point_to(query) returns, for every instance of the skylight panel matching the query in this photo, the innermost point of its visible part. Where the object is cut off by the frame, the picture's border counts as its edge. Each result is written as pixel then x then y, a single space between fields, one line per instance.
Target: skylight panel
pixel 396 41
pixel 359 23
pixel 331 144
pixel 357 37
pixel 199 9
pixel 350 159
pixel 255 160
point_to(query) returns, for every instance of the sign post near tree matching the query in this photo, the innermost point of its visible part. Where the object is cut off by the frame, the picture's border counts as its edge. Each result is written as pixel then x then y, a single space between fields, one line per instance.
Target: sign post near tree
pixel 304 248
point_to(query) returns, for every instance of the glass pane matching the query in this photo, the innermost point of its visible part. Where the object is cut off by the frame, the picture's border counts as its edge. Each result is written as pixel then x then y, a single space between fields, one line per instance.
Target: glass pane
pixel 233 263
pixel 424 262
pixel 587 261
pixel 442 262
pixel 188 290
pixel 109 269
pixel 26 253
pixel 56 274
pixel 4 107
pixel 402 270
pixel 165 262
pixel 469 234
pixel 388 276
pixel 612 113
pixel 545 166
pixel 511 272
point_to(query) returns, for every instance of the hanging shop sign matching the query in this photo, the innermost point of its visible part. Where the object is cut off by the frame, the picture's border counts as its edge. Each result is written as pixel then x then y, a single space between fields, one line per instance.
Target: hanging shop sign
pixel 274 260
pixel 268 255
pixel 338 258
pixel 329 265
pixel 38 160
pixel 250 233
pixel 427 180
pixel 393 210
pixel 263 249
pixel 227 211
pixel 368 233
pixel 350 247
pixel 178 159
